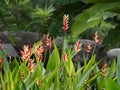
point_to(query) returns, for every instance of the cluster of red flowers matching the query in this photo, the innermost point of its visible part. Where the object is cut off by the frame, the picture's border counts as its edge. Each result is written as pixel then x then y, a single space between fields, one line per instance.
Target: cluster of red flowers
pixel 1 59
pixel 88 48
pixel 96 38
pixel 65 57
pixel 26 53
pixel 48 41
pixel 77 46
pixel 31 65
pixel 38 51
pixel 65 23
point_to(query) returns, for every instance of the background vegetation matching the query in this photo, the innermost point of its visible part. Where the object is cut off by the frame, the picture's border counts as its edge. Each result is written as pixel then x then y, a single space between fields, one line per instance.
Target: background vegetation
pixel 43 16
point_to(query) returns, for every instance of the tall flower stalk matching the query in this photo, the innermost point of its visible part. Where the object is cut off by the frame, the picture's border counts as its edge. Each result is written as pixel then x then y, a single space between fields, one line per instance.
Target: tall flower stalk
pixel 65 23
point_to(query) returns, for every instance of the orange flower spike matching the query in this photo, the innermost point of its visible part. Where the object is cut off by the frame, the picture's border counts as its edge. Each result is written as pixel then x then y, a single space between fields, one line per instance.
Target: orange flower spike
pixel 77 46
pixel 96 38
pixel 89 48
pixel 65 57
pixel 26 53
pixel 1 61
pixel 65 22
pixel 31 66
pixel 48 41
pixel 39 50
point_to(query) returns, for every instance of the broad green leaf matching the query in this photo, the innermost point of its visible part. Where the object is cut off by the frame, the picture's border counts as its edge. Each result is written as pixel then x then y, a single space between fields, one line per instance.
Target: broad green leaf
pixel 100 1
pixel 35 87
pixel 23 86
pixel 84 77
pixel 52 75
pixel 90 63
pixel 15 70
pixel 57 81
pixel 70 64
pixel 112 69
pixel 32 78
pixel 111 85
pixel 6 65
pixel 94 77
pixel 17 86
pixel 10 81
pixel 91 17
pixel 3 86
pixel 54 59
pixel 118 69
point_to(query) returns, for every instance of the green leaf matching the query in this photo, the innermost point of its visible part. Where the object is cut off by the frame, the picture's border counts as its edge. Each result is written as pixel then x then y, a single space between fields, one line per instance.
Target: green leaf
pixel 111 85
pixel 32 78
pixel 112 69
pixel 10 81
pixel 57 81
pixel 3 85
pixel 52 75
pixel 23 86
pixel 70 64
pixel 15 70
pixel 91 17
pixel 101 1
pixel 118 69
pixel 6 65
pixel 90 63
pixel 54 59
pixel 84 77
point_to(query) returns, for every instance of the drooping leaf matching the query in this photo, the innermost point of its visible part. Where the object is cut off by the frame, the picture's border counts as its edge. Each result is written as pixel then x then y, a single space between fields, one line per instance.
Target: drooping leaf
pixel 111 85
pixel 54 59
pixel 91 17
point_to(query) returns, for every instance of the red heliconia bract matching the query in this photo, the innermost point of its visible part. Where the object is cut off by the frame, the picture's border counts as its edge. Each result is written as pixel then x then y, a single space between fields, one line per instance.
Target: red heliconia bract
pixel 31 66
pixel 1 61
pixel 96 38
pixel 88 48
pixel 65 57
pixel 39 50
pixel 26 53
pixel 65 23
pixel 48 41
pixel 77 46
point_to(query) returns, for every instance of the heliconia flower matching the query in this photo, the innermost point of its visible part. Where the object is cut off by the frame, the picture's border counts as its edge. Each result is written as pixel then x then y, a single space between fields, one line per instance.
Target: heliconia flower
pixel 65 22
pixel 96 38
pixel 26 53
pixel 77 46
pixel 65 57
pixel 39 82
pixel 88 48
pixel 104 69
pixel 48 41
pixel 22 75
pixel 1 61
pixel 31 66
pixel 39 50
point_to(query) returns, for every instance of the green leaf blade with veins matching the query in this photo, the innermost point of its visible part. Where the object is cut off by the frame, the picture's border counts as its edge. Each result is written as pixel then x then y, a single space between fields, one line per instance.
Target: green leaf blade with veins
pixel 91 17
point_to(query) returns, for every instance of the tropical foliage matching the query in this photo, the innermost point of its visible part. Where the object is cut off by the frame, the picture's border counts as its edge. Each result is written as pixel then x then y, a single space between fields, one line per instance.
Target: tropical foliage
pixel 44 66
